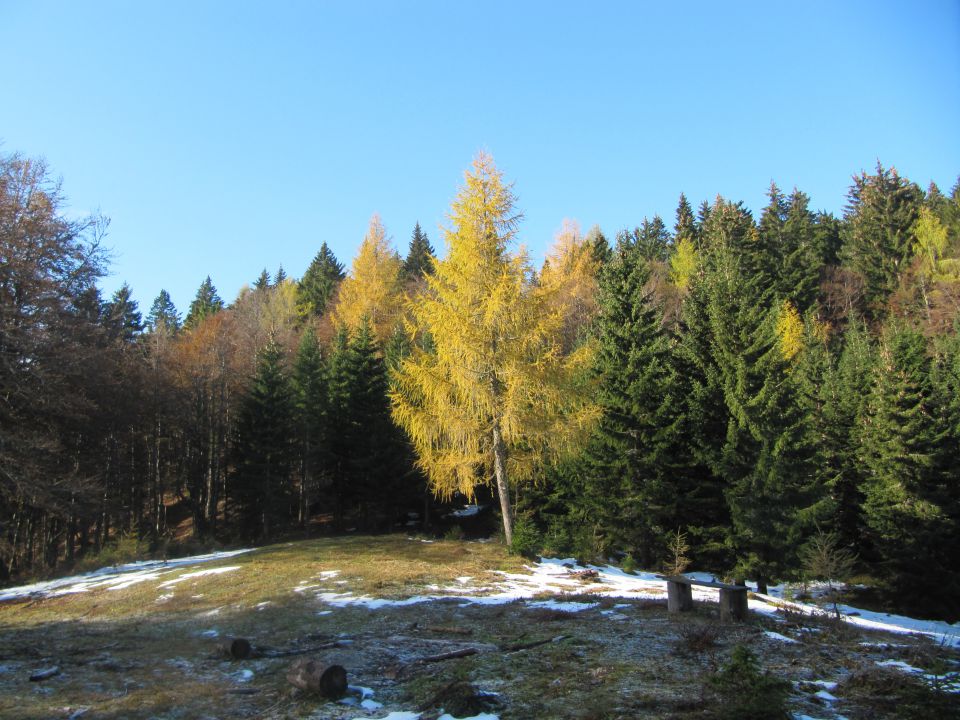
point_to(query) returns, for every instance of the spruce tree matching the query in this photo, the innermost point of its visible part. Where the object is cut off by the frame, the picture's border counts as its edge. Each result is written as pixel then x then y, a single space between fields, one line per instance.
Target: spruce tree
pixel 799 272
pixel 626 482
pixel 420 255
pixel 280 277
pixel 685 227
pixel 311 399
pixel 163 316
pixel 337 448
pixel 373 464
pixel 653 240
pixel 907 491
pixel 206 303
pixel 702 428
pixel 263 281
pixel 121 316
pixel 263 449
pixel 767 457
pixel 843 391
pixel 770 242
pixel 599 246
pixel 319 283
pixel 881 212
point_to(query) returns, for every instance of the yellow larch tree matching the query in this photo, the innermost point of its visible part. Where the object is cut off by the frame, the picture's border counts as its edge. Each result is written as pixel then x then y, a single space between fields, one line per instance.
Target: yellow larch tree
pixel 683 264
pixel 568 282
pixel 789 330
pixel 374 287
pixel 491 394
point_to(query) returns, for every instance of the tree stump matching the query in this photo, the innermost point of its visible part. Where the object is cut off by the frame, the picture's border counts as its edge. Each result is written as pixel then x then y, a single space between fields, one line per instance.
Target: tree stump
pixel 313 676
pixel 679 596
pixel 235 648
pixel 733 604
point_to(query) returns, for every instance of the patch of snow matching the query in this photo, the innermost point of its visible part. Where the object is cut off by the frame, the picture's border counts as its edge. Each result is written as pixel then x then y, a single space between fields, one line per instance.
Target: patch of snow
pixel 198 573
pixel 324 612
pixel 370 705
pixel 210 613
pixel 464 579
pixel 114 577
pixel 467 511
pixel 304 588
pixel 164 598
pixel 243 676
pixel 565 606
pixel 210 633
pixel 900 665
pixel 328 574
pixel 395 716
pixel 261 606
pixel 777 636
pixel 825 696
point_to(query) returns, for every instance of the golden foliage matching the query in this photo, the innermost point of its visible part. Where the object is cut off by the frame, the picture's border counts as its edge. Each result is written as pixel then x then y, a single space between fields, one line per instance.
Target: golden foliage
pixel 683 264
pixel 494 366
pixel 374 288
pixel 931 241
pixel 789 330
pixel 568 283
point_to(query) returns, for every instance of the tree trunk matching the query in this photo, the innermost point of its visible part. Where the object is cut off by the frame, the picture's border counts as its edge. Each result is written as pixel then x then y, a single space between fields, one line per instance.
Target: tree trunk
pixel 503 487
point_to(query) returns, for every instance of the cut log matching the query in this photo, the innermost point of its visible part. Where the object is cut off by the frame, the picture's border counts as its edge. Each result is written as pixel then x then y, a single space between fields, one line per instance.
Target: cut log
pixel 679 596
pixel 733 604
pixel 313 676
pixel 235 648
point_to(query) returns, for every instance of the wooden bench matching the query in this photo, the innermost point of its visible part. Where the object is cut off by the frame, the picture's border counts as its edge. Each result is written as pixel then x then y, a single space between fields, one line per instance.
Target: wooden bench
pixel 733 598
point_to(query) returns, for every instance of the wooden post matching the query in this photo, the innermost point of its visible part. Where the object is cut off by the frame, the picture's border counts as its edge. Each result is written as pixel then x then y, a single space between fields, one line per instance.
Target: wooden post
pixel 679 596
pixel 733 604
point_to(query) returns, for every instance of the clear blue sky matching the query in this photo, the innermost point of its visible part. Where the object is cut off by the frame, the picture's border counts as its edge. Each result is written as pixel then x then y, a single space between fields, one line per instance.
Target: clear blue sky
pixel 224 137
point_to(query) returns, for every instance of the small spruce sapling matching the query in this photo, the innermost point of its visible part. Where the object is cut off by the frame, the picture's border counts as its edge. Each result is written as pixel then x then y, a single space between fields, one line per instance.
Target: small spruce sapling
pixel 677 547
pixel 824 558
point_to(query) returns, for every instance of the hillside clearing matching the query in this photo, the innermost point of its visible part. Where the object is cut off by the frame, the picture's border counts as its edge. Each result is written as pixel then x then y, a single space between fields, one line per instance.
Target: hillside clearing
pixel 549 644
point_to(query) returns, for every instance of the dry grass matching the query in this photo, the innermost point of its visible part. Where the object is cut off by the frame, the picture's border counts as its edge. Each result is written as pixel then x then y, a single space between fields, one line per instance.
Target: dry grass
pixel 123 654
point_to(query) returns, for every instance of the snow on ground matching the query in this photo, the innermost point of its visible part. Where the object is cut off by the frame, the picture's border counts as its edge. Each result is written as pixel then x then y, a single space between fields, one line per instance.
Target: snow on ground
pixel 549 576
pixel 558 577
pixel 116 577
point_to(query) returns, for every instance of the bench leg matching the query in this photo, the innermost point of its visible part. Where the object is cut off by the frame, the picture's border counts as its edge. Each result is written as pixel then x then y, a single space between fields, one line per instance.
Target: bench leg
pixel 733 604
pixel 679 597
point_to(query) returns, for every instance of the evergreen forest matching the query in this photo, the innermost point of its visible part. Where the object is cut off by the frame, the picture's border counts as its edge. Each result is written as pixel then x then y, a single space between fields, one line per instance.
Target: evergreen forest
pixel 767 394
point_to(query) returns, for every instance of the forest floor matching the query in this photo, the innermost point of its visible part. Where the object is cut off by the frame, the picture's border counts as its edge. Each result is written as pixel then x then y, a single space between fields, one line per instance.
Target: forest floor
pixel 550 641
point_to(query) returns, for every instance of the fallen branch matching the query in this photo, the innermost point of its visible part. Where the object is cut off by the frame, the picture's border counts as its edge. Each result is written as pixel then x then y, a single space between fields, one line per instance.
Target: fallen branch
pixel 449 630
pixel 536 643
pixel 299 651
pixel 45 674
pixel 466 652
